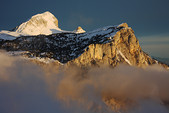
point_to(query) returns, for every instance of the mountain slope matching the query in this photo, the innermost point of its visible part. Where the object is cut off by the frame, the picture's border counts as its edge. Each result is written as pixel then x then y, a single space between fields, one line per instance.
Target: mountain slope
pixel 105 46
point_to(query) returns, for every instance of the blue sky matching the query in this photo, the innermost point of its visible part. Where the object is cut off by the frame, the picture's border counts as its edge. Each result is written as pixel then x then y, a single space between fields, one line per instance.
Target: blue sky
pixel 148 18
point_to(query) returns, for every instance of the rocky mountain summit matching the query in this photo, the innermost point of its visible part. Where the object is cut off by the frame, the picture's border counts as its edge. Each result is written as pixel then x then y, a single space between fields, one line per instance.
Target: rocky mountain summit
pixel 109 45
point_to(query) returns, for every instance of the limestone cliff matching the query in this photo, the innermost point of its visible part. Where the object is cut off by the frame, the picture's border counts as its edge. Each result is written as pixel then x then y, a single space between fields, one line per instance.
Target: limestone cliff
pixel 124 48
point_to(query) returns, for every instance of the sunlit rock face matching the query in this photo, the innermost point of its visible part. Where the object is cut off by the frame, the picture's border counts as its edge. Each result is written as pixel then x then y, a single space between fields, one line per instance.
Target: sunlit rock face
pixel 123 48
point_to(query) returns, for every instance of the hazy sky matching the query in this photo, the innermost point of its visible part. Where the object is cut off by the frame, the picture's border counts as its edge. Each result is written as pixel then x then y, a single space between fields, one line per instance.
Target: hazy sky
pixel 147 17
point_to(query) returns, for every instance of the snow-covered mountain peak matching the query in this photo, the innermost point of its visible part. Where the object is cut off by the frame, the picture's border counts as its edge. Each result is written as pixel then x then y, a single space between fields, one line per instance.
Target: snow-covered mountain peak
pixel 40 24
pixel 45 23
pixel 79 30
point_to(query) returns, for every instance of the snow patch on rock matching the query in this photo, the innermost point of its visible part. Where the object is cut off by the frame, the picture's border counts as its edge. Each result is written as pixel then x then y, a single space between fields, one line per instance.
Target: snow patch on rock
pixel 124 57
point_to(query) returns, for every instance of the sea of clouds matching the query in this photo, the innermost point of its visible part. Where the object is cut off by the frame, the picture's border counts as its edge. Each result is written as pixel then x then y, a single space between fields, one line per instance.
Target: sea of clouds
pixel 29 88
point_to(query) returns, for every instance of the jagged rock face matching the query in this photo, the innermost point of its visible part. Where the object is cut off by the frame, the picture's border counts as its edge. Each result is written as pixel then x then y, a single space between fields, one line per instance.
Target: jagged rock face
pixel 44 23
pixel 106 46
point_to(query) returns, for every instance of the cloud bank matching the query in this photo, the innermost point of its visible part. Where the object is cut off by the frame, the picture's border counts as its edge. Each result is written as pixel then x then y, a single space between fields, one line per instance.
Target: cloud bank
pixel 26 87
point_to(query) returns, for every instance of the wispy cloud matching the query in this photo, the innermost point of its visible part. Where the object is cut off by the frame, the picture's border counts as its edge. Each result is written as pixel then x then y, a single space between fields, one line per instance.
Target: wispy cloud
pixel 156 45
pixel 155 39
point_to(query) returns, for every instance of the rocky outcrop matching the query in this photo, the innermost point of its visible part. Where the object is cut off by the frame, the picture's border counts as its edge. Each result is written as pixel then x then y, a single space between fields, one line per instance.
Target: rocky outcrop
pixel 110 45
pixel 124 48
pixel 79 30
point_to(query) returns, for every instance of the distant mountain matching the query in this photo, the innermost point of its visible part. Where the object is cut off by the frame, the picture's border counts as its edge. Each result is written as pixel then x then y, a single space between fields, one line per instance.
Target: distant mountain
pixel 45 23
pixel 40 24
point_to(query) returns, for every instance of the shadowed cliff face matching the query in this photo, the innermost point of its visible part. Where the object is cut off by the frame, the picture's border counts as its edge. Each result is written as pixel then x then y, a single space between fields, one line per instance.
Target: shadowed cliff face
pixel 106 46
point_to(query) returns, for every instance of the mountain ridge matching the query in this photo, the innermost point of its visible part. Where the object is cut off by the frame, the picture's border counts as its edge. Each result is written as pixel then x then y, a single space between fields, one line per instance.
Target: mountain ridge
pixel 109 45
